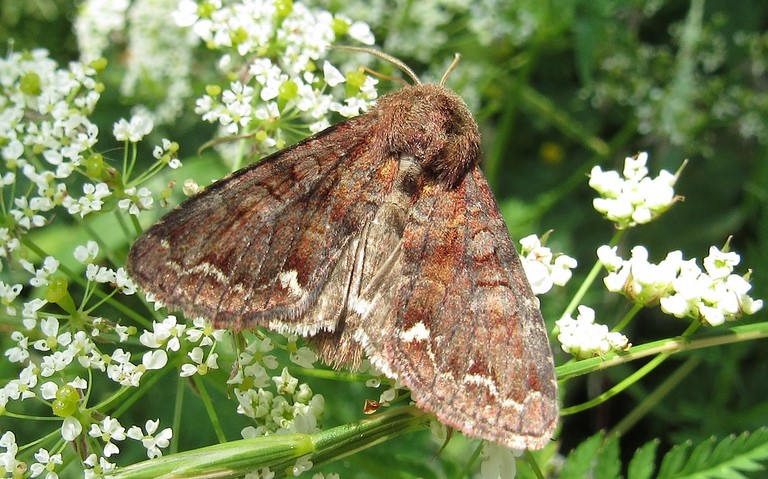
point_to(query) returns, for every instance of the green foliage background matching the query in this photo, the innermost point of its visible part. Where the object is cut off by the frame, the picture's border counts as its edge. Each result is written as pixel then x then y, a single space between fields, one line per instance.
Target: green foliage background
pixel 597 80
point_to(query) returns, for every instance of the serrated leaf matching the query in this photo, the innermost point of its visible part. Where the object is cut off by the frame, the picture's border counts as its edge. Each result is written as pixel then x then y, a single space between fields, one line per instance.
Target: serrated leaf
pixel 675 459
pixel 595 457
pixel 726 459
pixel 643 462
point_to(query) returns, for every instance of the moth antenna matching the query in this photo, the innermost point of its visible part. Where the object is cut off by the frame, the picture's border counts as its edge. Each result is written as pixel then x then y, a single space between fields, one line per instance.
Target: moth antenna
pixel 454 64
pixel 389 58
pixel 385 77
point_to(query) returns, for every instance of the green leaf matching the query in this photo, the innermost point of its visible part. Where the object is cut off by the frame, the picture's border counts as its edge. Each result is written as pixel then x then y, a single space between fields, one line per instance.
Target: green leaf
pixel 726 459
pixel 595 457
pixel 643 463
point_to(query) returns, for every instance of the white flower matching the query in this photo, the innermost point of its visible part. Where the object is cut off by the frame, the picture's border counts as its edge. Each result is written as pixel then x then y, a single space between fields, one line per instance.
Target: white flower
pixel 254 403
pixel 165 333
pixel 609 257
pixel 50 266
pixel 679 286
pixel 543 268
pixel 56 362
pixel 87 254
pixel 286 384
pixel 186 13
pixel 134 130
pixel 108 430
pixel 203 332
pixel 22 387
pixel 90 201
pixel 7 243
pixel 156 359
pixel 538 276
pixel 719 264
pixel 71 428
pixel 8 461
pixel 136 201
pixel 388 396
pixel 201 365
pixel 151 442
pixel 498 462
pixel 45 464
pixel 635 198
pixel 263 473
pixel 20 352
pixel 124 283
pixel 583 338
pixel 361 32
pixel 332 74
pixel 190 187
pixel 303 464
pixel 94 22
pixel 277 86
pixel 302 356
pixel 26 215
pixel 8 294
pixel 122 371
pixel 97 467
pixel 561 269
pixel 50 329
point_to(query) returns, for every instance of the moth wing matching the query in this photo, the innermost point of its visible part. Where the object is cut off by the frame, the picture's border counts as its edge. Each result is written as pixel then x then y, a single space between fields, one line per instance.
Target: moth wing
pixel 256 247
pixel 457 309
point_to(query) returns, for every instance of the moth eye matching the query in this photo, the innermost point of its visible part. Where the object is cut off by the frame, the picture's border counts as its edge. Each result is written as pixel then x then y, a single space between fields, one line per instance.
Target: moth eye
pixel 408 174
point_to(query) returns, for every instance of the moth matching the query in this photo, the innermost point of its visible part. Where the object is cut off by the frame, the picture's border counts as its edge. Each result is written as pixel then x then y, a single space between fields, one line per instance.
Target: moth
pixel 377 236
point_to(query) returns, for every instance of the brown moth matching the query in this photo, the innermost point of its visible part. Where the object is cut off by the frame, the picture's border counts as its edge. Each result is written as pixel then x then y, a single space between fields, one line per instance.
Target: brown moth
pixel 377 236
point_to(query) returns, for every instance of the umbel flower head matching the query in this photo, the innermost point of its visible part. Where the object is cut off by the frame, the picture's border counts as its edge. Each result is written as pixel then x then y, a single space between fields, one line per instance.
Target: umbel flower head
pixel 712 295
pixel 632 198
pixel 584 338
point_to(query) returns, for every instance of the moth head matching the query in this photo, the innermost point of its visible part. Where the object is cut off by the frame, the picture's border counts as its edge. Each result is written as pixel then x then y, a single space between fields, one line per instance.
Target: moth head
pixel 429 123
pixel 433 125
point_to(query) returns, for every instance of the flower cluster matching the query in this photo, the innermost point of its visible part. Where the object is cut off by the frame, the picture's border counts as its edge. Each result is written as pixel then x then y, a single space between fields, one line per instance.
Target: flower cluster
pixel 275 403
pixel 82 368
pixel 47 135
pixel 47 146
pixel 543 268
pixel 635 198
pixel 583 338
pixel 712 295
pixel 286 90
pixel 48 141
pixel 55 353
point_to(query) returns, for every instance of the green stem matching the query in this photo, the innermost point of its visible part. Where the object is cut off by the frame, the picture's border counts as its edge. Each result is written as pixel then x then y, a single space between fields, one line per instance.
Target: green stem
pixel 348 439
pixel 209 407
pixel 533 464
pixel 628 317
pixel 651 400
pixel 669 345
pixel 591 277
pixel 178 409
pixel 279 452
pixel 229 460
pixel 83 282
pixel 628 381
pixel 468 465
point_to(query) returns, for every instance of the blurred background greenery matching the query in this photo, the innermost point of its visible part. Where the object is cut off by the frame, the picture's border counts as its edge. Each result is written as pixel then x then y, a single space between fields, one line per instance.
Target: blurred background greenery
pixel 558 87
